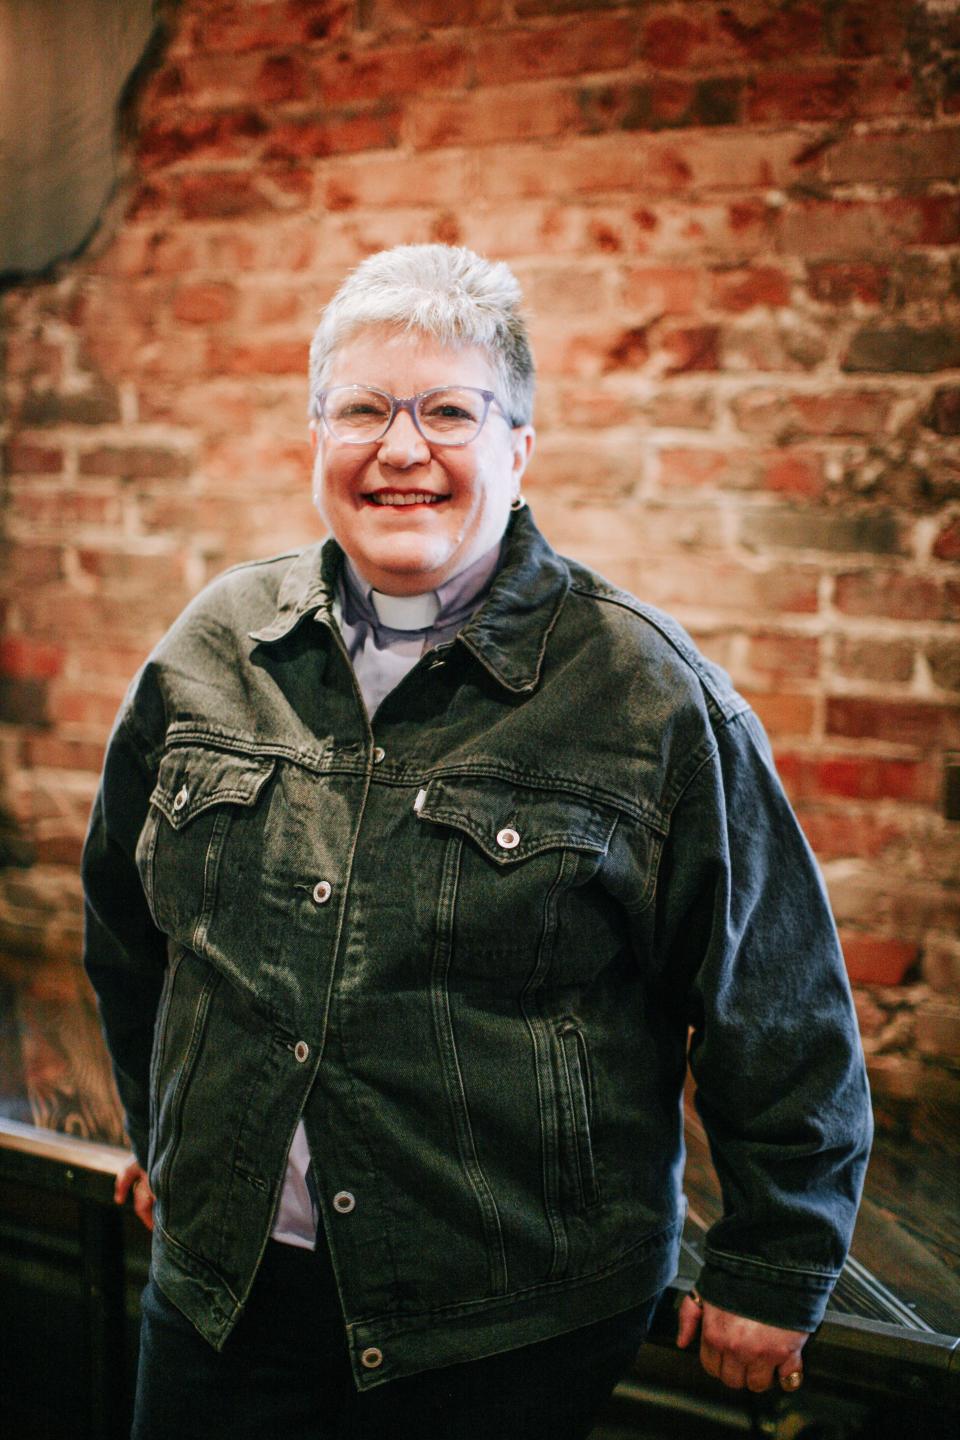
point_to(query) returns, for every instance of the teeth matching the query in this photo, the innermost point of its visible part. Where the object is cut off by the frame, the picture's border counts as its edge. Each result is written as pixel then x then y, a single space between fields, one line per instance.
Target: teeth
pixel 405 497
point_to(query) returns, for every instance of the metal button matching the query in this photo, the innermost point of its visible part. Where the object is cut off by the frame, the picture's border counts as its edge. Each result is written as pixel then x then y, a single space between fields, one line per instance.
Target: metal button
pixel 508 839
pixel 322 891
pixel 419 802
pixel 181 798
pixel 301 1051
pixel 371 1358
pixel 344 1202
pixel 379 755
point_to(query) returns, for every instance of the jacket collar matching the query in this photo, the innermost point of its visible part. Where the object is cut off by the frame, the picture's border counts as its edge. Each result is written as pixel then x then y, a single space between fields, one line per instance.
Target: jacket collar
pixel 507 635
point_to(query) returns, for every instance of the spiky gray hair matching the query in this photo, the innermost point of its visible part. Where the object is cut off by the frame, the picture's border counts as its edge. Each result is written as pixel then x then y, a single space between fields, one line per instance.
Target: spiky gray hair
pixel 445 291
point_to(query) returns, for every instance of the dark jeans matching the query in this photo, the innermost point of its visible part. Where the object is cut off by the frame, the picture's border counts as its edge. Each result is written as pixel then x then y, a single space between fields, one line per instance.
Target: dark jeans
pixel 284 1373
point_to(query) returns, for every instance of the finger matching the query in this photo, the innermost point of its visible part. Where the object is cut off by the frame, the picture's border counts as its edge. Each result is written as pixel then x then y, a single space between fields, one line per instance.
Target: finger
pixel 143 1202
pixel 124 1181
pixel 733 1372
pixel 689 1323
pixel 710 1359
pixel 759 1375
pixel 790 1373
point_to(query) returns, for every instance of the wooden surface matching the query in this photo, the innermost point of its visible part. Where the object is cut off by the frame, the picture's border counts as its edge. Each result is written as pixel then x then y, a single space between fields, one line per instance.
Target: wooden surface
pixel 905 1265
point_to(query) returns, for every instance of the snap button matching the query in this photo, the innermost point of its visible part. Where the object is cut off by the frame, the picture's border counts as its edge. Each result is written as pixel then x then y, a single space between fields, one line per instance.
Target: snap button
pixel 419 802
pixel 301 1051
pixel 371 1358
pixel 508 839
pixel 344 1202
pixel 322 891
pixel 379 755
pixel 181 798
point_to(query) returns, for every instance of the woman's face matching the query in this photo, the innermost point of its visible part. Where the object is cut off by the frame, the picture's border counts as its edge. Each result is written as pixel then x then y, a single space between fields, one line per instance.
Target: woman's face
pixel 407 548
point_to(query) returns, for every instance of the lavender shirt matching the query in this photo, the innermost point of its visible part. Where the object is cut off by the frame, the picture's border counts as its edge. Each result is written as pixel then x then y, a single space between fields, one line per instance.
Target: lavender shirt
pixel 385 636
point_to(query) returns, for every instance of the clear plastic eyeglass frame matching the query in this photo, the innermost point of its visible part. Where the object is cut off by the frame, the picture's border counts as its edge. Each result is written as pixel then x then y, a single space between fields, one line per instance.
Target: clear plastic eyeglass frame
pixel 411 405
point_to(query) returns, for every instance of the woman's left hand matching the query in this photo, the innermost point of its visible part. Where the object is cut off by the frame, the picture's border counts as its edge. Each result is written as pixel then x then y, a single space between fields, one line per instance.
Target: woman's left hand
pixel 742 1353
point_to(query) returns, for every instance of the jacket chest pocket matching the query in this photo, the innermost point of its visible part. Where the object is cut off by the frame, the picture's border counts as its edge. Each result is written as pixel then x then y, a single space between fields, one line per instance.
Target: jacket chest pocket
pixel 522 853
pixel 203 800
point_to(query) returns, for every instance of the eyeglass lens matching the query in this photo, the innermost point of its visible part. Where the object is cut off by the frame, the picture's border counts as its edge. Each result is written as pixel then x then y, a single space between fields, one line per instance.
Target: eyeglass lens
pixel 453 416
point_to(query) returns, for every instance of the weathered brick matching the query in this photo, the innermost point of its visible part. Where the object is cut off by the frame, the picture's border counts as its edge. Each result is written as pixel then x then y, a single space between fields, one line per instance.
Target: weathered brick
pixel 778 656
pixel 856 777
pixel 859 28
pixel 704 36
pixel 96 405
pixel 229 194
pixel 565 47
pixel 24 659
pixel 689 349
pixel 905 722
pixel 204 303
pixel 855 228
pixel 878 959
pixel 24 700
pixel 878 531
pixel 237 27
pixel 662 290
pixel 282 77
pixel 23 458
pixel 910 157
pixel 846 834
pixel 943 658
pixel 946 545
pixel 742 288
pixel 943 415
pixel 838 282
pixel 903 348
pixel 230 135
pixel 896 595
pixel 507 112
pixel 783 712
pixel 941 964
pixel 135 462
pixel 784 417
pixel 347 77
pixel 938 1029
pixel 859 658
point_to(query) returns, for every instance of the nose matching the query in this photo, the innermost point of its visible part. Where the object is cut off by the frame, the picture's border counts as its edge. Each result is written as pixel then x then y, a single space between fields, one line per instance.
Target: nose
pixel 403 445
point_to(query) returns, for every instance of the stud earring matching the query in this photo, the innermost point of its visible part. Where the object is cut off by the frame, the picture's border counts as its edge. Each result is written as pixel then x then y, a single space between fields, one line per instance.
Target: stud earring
pixel 518 502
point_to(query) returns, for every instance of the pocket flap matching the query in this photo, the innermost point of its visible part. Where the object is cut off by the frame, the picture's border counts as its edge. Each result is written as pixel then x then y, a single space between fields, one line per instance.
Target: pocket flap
pixel 511 822
pixel 192 778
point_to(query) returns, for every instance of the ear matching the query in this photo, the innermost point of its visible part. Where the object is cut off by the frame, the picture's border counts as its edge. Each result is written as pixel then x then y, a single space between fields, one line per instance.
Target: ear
pixel 524 443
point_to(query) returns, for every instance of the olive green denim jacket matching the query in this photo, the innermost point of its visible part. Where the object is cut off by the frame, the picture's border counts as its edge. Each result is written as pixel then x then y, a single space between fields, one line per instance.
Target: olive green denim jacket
pixel 468 945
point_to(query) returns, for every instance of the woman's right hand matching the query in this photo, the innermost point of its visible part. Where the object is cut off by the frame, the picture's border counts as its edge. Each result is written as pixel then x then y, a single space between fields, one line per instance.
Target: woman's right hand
pixel 134 1178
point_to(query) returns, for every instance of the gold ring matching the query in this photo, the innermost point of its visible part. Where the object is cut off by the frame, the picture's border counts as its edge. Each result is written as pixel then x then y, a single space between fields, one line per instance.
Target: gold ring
pixel 793 1381
pixel 694 1294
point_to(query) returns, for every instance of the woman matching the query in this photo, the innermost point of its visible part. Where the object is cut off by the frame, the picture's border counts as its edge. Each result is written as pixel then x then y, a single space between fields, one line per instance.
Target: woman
pixel 416 857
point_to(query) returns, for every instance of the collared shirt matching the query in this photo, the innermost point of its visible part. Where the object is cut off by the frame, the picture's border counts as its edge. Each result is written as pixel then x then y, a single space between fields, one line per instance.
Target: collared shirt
pixel 385 636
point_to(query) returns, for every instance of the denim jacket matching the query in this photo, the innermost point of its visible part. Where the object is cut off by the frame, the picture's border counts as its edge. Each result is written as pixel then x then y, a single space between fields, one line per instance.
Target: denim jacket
pixel 468 944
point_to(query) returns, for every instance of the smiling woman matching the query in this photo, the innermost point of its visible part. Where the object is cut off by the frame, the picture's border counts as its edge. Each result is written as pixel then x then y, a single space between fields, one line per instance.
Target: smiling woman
pixel 421 861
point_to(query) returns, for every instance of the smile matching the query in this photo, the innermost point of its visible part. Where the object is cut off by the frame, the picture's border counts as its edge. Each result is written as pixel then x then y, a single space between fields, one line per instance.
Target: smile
pixel 404 497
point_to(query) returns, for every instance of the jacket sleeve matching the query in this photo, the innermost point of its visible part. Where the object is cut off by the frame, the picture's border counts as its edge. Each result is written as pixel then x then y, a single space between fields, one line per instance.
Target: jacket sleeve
pixel 774 1048
pixel 124 953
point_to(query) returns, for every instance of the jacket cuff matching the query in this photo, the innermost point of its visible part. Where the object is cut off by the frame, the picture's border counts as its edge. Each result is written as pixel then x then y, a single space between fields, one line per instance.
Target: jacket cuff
pixel 790 1299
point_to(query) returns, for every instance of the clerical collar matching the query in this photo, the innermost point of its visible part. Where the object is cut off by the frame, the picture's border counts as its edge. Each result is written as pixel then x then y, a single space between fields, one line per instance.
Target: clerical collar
pixel 449 606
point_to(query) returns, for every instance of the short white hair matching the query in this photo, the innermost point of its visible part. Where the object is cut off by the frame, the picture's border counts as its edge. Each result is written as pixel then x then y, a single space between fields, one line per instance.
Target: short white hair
pixel 445 291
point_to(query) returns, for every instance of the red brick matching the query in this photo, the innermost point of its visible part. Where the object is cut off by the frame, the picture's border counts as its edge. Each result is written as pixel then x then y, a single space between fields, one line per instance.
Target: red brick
pixel 689 467
pixel 134 462
pixel 395 178
pixel 690 349
pixel 393 15
pixel 909 158
pixel 946 546
pixel 337 134
pixel 856 777
pixel 54 752
pixel 347 77
pixel 745 287
pixel 852 228
pixel 835 282
pixel 24 701
pixel 238 27
pixel 834 92
pixel 272 357
pixel 228 194
pixel 943 415
pixel 204 303
pixel 943 658
pixel 880 660
pixel 783 712
pixel 22 658
pixel 783 417
pixel 571 47
pixel 889 349
pixel 843 834
pixel 708 36
pixel 99 404
pixel 22 458
pixel 905 722
pixel 938 1029
pixel 507 112
pixel 283 77
pixel 796 474
pixel 227 136
pixel 877 531
pixel 896 595
pixel 780 656
pixel 681 409
pixel 878 960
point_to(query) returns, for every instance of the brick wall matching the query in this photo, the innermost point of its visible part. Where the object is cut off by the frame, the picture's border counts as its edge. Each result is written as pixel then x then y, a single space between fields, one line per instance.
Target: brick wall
pixel 737 227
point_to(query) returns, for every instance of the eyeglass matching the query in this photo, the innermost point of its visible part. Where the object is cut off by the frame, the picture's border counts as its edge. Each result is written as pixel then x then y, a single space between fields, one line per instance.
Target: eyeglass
pixel 449 415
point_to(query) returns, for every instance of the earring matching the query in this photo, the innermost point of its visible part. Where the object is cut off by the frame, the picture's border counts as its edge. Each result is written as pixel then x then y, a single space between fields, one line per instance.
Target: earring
pixel 518 502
